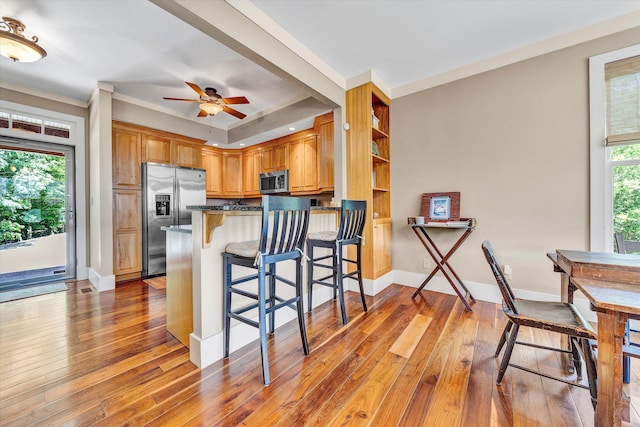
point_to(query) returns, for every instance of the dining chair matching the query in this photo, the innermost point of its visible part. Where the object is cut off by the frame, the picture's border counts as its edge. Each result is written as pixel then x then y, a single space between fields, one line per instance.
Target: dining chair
pixel 560 317
pixel 352 218
pixel 625 246
pixel 285 221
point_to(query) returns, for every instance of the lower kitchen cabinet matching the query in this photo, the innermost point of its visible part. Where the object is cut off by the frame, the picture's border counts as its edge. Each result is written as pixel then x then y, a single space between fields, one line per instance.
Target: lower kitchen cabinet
pixel 127 242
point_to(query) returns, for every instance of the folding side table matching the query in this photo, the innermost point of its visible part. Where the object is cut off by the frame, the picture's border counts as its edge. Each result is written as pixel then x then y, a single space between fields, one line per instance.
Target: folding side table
pixel 442 261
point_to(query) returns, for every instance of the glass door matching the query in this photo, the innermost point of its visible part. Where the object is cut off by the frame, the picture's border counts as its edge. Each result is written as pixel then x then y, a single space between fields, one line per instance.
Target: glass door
pixel 37 223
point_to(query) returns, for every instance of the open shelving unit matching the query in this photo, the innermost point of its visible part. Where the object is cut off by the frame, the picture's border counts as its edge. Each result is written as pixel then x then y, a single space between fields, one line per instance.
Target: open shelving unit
pixel 369 174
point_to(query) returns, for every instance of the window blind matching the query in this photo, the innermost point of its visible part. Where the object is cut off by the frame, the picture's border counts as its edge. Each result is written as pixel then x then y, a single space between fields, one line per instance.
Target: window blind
pixel 623 101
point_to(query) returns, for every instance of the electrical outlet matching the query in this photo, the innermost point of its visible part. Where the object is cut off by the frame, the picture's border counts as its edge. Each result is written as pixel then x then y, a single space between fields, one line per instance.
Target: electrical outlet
pixel 506 270
pixel 426 263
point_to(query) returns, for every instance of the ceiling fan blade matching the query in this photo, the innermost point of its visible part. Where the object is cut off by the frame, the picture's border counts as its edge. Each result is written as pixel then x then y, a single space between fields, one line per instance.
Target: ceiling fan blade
pixel 203 113
pixel 181 99
pixel 196 88
pixel 233 112
pixel 236 100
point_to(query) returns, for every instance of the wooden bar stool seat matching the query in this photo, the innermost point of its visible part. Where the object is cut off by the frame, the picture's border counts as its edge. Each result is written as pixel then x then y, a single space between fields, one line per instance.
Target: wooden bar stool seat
pixel 285 221
pixel 352 219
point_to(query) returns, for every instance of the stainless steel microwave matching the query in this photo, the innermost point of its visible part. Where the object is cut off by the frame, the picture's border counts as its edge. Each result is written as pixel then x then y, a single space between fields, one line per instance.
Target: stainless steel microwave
pixel 274 182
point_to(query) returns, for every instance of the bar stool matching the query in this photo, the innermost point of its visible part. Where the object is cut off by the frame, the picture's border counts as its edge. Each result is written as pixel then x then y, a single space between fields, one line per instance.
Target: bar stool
pixel 282 238
pixel 352 218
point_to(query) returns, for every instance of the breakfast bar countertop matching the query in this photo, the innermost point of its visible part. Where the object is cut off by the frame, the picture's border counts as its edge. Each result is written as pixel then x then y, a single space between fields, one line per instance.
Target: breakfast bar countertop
pixel 246 208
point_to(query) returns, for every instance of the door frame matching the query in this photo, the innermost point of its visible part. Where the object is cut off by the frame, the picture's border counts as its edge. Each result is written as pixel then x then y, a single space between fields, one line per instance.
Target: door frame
pixel 77 139
pixel 68 152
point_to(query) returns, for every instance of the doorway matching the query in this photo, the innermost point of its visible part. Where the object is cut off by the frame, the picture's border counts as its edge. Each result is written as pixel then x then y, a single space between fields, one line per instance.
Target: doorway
pixel 37 213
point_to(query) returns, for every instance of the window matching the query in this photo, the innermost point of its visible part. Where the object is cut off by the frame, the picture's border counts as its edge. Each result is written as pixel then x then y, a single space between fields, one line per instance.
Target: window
pixel 615 146
pixel 34 125
pixel 623 139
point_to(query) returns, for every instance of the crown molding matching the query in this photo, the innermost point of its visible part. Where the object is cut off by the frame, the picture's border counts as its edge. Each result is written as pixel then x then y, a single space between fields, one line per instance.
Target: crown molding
pixel 592 32
pixel 43 94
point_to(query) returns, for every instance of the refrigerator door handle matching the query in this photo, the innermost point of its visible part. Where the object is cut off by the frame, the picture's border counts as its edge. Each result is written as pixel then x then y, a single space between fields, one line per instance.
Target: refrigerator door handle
pixel 176 206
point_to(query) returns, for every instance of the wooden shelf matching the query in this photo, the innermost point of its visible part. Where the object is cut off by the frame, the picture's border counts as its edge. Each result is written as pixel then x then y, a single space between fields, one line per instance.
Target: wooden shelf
pixel 378 134
pixel 379 159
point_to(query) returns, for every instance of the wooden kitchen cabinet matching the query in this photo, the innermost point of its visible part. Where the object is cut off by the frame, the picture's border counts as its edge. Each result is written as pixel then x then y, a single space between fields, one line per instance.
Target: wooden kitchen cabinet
pixel 381 246
pixel 126 158
pixel 275 157
pixel 324 126
pixel 303 165
pixel 186 154
pixel 156 149
pixel 232 185
pixel 127 242
pixel 212 163
pixel 251 167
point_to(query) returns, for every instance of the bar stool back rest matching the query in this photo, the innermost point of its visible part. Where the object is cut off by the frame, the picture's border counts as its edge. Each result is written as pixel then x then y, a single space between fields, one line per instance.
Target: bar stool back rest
pixel 552 316
pixel 352 219
pixel 285 221
pixel 286 230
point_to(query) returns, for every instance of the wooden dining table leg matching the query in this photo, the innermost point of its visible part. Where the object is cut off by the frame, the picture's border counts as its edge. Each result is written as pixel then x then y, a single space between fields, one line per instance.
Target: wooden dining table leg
pixel 566 295
pixel 610 409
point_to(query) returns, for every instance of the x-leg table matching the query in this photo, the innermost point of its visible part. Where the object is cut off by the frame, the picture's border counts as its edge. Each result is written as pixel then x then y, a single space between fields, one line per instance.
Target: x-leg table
pixel 442 261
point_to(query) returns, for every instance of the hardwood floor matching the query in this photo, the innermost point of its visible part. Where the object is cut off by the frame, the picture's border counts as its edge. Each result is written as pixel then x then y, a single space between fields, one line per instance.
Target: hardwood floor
pixel 88 358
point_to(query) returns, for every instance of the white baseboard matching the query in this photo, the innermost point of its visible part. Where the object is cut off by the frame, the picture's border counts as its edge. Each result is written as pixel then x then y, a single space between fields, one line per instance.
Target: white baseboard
pixel 486 292
pixel 371 287
pixel 81 273
pixel 101 283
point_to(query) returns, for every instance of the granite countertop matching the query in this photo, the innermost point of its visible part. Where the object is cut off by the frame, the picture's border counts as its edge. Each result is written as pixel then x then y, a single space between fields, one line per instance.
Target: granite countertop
pixel 178 228
pixel 243 208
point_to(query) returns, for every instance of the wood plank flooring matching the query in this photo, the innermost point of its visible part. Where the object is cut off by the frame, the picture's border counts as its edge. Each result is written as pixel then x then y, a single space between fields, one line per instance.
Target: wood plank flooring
pixel 105 359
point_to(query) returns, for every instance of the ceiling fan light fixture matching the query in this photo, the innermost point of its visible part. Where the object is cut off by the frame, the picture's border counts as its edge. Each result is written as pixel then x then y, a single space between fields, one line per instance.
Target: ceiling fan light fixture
pixel 211 108
pixel 15 46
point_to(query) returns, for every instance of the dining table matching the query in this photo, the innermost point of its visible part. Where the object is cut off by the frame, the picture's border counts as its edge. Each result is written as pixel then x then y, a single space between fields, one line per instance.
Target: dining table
pixel 611 282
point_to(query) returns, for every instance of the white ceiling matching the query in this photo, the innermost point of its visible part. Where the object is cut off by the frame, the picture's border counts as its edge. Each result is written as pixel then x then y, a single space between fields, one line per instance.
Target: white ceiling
pixel 147 53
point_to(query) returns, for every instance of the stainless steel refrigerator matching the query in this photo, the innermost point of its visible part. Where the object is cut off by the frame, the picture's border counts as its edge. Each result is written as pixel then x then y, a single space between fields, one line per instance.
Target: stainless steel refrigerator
pixel 166 192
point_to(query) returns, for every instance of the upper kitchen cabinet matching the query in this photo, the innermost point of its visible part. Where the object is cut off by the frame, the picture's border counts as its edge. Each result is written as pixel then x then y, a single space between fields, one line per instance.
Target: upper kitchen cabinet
pixel 275 156
pixel 212 163
pixel 153 146
pixel 303 164
pixel 251 168
pixel 368 171
pixel 324 126
pixel 156 149
pixel 186 153
pixel 232 176
pixel 126 158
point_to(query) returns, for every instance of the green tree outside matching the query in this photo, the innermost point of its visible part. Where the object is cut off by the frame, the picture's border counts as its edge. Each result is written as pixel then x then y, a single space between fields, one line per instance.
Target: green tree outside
pixel 32 195
pixel 626 192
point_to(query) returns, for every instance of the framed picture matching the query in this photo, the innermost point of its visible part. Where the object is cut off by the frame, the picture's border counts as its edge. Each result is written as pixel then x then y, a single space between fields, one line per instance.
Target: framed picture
pixel 441 207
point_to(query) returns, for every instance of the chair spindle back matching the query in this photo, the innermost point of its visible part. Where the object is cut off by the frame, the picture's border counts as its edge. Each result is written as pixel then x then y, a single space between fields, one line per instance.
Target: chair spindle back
pixel 507 294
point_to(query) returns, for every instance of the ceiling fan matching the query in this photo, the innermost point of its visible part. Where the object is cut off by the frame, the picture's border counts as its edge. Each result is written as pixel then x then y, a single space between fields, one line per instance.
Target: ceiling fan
pixel 212 103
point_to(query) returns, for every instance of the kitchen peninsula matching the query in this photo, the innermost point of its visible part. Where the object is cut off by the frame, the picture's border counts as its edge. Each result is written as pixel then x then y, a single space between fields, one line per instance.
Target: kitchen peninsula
pixel 194 257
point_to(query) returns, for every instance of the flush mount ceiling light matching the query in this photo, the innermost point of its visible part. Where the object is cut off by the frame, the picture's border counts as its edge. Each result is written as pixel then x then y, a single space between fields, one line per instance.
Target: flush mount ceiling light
pixel 15 46
pixel 211 108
